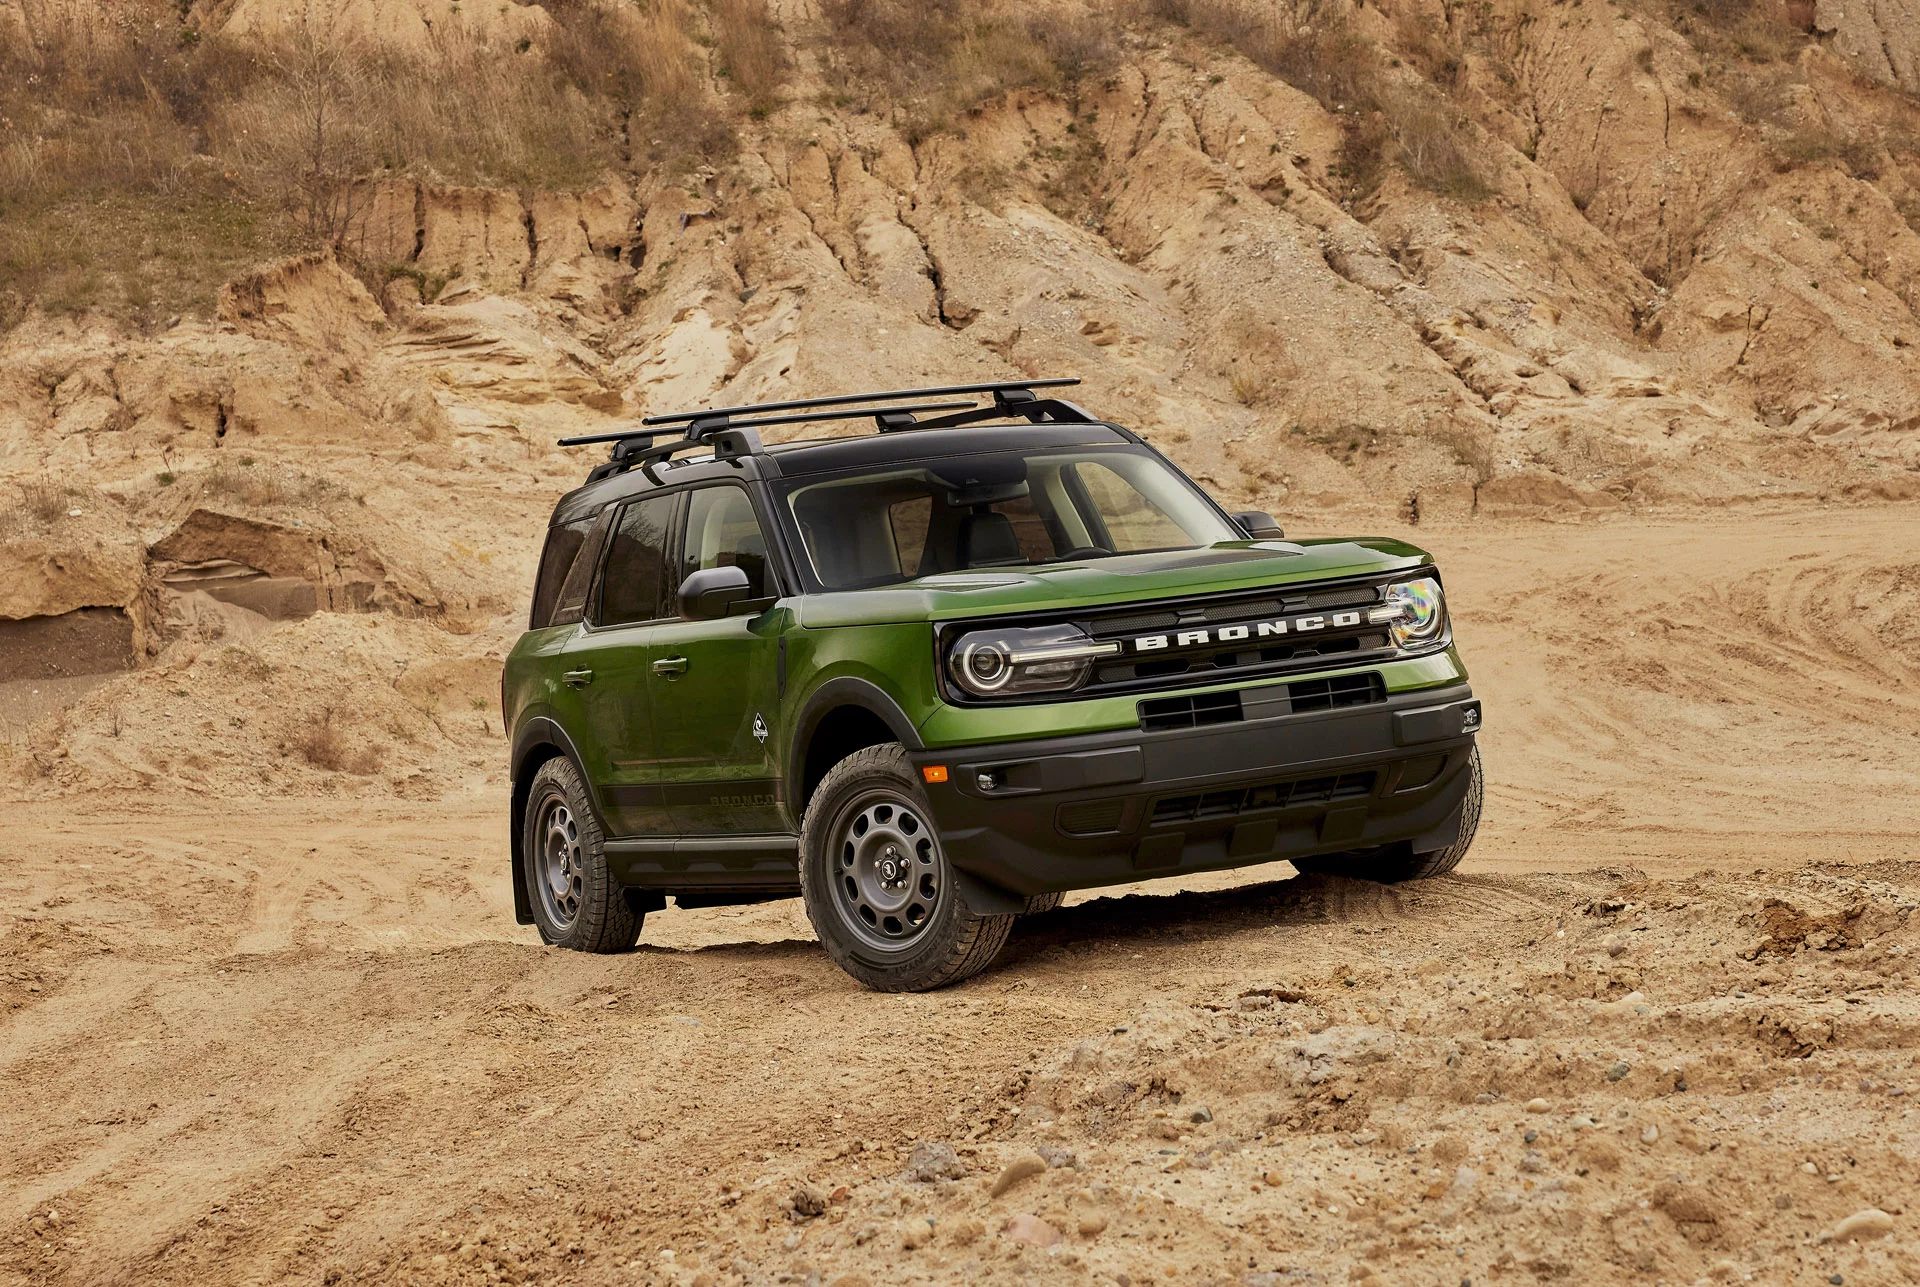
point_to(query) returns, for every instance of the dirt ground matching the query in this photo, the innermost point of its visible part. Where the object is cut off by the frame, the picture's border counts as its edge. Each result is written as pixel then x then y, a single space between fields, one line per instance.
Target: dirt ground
pixel 1661 1027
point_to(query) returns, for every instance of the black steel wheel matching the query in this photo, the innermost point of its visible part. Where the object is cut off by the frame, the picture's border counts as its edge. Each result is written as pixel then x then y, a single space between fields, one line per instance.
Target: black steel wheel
pixel 576 901
pixel 879 891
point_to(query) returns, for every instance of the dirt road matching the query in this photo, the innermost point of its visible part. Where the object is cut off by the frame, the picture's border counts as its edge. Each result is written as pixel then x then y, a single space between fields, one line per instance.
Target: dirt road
pixel 1661 1027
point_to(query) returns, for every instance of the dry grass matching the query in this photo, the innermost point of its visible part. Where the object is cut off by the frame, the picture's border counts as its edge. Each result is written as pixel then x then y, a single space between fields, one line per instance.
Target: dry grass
pixel 751 53
pixel 264 486
pixel 142 162
pixel 33 508
pixel 928 62
pixel 1388 120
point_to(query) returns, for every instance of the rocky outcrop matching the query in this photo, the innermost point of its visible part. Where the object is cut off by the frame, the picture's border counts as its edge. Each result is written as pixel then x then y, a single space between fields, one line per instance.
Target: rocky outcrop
pixel 1879 37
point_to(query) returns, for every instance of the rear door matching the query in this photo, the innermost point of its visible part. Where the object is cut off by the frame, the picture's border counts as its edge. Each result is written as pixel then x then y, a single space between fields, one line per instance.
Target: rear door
pixel 607 669
pixel 715 690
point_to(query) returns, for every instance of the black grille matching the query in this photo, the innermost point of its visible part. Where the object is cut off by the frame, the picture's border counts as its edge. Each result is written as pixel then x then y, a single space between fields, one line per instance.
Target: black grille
pixel 1259 653
pixel 1274 795
pixel 1336 691
pixel 1190 712
pixel 1094 818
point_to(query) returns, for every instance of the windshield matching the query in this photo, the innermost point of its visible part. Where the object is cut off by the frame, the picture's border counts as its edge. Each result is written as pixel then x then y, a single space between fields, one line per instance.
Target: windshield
pixel 1006 509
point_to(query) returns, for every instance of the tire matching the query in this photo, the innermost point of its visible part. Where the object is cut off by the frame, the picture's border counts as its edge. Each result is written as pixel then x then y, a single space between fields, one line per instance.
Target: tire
pixel 1038 903
pixel 577 903
pixel 877 885
pixel 1391 864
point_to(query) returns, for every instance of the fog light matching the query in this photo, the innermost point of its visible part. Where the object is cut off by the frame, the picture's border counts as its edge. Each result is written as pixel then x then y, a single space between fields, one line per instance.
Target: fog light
pixel 986 782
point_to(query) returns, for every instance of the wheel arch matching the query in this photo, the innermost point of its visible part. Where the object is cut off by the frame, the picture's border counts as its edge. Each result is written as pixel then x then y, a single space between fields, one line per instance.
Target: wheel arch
pixel 840 717
pixel 539 739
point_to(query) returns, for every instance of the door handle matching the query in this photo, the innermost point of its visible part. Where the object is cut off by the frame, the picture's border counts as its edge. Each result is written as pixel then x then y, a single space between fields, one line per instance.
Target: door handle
pixel 577 678
pixel 670 666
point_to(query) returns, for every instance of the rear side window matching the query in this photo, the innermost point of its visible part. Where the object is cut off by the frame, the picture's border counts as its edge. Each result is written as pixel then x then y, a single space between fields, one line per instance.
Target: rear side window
pixel 556 561
pixel 632 587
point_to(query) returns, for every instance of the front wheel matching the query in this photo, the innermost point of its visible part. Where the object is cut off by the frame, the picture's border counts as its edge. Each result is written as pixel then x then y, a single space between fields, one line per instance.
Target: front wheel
pixel 576 901
pixel 878 888
pixel 1391 864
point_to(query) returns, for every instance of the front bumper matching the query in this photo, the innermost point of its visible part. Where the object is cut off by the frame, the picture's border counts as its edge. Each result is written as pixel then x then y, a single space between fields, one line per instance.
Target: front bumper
pixel 1107 808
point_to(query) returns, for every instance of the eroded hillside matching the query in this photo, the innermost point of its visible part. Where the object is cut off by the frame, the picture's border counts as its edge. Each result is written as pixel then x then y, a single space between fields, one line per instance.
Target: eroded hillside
pixel 1345 263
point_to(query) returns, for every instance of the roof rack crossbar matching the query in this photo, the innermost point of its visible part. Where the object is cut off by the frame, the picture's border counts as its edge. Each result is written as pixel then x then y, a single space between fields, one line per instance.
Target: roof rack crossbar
pixel 845 399
pixel 1034 411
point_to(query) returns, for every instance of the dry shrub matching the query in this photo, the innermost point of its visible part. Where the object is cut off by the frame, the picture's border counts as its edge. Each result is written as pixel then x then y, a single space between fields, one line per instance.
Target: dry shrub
pixel 324 743
pixel 1472 448
pixel 34 508
pixel 751 54
pixel 1434 143
pixel 1310 46
pixel 1259 366
pixel 930 61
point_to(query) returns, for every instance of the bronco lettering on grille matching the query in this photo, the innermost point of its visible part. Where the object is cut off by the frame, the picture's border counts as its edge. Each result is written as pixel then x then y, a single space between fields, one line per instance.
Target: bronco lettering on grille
pixel 1261 629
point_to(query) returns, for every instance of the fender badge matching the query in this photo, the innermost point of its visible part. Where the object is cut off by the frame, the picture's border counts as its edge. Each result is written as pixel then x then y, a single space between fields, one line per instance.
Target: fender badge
pixel 760 729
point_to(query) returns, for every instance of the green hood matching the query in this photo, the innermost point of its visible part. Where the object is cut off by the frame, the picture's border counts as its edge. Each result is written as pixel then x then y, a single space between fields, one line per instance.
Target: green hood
pixel 1235 565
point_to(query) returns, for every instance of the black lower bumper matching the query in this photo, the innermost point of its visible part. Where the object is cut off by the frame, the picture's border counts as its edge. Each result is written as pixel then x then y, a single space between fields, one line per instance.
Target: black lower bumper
pixel 1106 808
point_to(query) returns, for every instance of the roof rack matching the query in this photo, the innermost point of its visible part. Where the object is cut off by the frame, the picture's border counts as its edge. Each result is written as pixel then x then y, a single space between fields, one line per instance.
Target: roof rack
pixel 730 438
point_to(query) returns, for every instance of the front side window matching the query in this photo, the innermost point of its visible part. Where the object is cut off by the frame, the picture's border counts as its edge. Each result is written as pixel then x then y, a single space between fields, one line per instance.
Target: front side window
pixel 1006 509
pixel 633 586
pixel 722 532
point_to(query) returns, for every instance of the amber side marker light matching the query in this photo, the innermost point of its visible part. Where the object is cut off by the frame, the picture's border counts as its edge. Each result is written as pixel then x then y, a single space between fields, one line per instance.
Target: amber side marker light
pixel 934 772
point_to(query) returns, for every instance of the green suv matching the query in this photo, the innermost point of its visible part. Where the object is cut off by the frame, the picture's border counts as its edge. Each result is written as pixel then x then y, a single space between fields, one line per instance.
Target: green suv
pixel 932 677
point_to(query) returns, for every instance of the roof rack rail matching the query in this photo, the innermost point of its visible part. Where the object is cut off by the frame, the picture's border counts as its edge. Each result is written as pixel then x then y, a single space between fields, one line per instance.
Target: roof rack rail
pixel 729 438
pixel 845 399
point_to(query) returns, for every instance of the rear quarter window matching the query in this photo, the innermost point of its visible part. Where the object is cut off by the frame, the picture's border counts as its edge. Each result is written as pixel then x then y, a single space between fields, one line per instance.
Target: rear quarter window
pixel 564 544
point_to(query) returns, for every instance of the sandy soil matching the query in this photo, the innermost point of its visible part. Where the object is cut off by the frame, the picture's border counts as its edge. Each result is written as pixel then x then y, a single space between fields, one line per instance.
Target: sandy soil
pixel 1661 1027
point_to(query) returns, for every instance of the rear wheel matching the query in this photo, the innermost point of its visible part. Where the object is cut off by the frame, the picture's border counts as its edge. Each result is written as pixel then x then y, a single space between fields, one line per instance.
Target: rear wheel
pixel 576 901
pixel 878 888
pixel 1038 903
pixel 1391 864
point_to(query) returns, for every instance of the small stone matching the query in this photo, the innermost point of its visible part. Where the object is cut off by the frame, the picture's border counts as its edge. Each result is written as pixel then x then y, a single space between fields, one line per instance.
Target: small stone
pixel 1539 1106
pixel 1619 1070
pixel 1092 1223
pixel 1533 1161
pixel 1486 1097
pixel 1021 1168
pixel 1056 1157
pixel 1274 1179
pixel 932 1160
pixel 1531 1136
pixel 1836 1279
pixel 1202 1114
pixel 808 1202
pixel 1783 1202
pixel 915 1234
pixel 1861 1225
pixel 1617 948
pixel 1679 1083
pixel 1032 1230
pixel 1650 1135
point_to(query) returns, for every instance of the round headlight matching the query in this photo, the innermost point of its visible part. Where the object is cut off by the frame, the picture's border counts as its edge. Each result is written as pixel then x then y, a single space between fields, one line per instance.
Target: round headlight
pixel 981 664
pixel 1421 612
pixel 1024 659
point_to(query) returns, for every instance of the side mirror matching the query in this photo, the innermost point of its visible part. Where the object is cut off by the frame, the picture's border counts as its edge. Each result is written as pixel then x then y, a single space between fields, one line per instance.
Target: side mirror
pixel 710 592
pixel 1260 526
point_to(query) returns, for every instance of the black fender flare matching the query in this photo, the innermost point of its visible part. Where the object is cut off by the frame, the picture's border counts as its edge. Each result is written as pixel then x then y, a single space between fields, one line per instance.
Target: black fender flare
pixel 534 733
pixel 845 690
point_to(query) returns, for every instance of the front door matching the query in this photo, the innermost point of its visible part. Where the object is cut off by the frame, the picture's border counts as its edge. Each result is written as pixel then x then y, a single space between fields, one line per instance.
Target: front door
pixel 715 687
pixel 608 667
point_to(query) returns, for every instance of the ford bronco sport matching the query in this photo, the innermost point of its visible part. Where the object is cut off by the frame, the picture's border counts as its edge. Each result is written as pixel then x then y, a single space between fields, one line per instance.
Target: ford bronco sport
pixel 929 678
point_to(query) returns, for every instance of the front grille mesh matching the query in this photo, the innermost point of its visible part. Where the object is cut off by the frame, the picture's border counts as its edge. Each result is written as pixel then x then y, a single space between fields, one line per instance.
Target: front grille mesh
pixel 1190 712
pixel 1299 793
